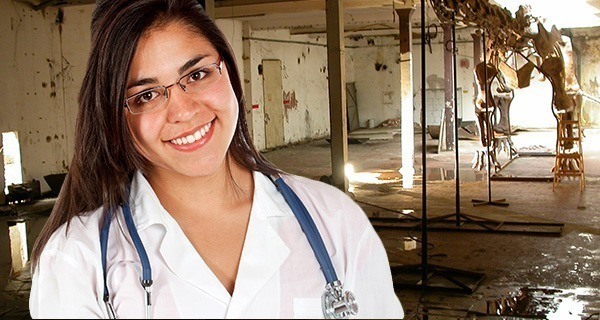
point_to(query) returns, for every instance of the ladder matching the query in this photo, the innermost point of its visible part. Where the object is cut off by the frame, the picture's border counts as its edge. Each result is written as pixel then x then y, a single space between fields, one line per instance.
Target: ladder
pixel 569 152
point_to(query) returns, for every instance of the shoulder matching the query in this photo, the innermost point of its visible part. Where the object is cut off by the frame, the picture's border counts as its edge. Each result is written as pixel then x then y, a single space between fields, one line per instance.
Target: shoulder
pixel 76 241
pixel 334 207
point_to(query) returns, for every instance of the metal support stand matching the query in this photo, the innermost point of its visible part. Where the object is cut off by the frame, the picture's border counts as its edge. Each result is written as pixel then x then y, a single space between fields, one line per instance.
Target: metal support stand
pixel 489 132
pixel 431 276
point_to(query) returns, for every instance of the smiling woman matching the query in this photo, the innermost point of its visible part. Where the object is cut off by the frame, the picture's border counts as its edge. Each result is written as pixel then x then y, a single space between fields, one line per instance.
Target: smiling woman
pixel 206 225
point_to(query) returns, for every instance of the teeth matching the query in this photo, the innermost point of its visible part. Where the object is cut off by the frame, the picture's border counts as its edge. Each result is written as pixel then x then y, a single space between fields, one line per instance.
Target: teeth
pixel 192 137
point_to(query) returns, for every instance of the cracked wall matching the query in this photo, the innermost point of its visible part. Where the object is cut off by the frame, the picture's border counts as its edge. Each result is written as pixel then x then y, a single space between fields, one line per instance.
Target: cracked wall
pixel 40 62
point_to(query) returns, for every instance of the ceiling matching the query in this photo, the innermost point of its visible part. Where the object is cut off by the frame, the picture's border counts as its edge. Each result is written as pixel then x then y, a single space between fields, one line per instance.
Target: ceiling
pixel 367 17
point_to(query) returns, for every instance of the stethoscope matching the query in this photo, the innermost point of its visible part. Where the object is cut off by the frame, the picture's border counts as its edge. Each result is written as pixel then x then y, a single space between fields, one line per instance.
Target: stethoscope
pixel 335 302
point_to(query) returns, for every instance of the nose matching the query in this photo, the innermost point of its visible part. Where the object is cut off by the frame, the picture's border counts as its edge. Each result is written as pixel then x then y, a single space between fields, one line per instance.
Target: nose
pixel 181 105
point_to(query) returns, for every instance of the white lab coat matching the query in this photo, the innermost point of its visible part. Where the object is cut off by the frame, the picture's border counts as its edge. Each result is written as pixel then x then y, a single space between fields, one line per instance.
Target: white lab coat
pixel 278 276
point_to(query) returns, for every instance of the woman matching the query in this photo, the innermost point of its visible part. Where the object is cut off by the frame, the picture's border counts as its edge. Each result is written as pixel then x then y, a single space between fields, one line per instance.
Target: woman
pixel 163 154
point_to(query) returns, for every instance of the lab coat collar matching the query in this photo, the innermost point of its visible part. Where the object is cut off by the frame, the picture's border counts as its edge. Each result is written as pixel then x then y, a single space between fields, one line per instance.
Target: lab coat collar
pixel 262 255
pixel 146 209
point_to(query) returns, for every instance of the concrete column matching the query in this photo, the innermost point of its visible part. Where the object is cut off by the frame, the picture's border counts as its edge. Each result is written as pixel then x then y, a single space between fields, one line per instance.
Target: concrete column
pixel 337 92
pixel 247 76
pixel 449 93
pixel 406 88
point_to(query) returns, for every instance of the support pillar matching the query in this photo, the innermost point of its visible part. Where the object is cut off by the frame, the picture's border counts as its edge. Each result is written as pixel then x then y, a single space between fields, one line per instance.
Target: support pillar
pixel 406 88
pixel 247 76
pixel 337 92
pixel 449 93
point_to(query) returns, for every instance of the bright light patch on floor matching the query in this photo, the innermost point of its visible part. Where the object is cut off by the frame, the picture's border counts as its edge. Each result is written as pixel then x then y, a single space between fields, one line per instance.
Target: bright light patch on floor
pixel 563 14
pixel 368 177
pixel 18 247
pixel 568 309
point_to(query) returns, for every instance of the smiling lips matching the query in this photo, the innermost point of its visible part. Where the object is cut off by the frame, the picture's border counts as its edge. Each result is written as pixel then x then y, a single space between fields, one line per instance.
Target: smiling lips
pixel 192 137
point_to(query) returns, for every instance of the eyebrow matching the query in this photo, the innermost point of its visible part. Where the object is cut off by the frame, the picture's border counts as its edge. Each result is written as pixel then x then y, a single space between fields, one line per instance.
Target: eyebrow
pixel 190 63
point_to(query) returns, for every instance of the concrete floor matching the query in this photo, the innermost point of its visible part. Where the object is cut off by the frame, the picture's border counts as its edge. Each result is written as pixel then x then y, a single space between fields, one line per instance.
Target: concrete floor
pixel 552 277
pixel 536 276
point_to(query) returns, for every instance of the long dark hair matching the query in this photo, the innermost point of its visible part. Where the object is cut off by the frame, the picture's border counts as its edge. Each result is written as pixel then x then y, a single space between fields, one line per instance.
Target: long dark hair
pixel 105 157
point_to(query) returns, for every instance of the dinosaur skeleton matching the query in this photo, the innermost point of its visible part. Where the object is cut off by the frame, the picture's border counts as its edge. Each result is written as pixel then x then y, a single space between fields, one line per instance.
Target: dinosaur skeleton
pixel 547 51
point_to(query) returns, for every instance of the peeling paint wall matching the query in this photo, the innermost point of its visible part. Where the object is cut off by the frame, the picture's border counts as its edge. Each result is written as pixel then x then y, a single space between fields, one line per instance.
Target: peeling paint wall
pixel 304 71
pixel 40 53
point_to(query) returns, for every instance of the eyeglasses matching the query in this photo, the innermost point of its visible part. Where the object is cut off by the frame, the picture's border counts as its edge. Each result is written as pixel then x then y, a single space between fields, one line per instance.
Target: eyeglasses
pixel 196 81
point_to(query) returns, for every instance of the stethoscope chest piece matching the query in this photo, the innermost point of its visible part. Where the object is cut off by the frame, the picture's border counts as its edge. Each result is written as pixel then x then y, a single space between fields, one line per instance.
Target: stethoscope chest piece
pixel 336 303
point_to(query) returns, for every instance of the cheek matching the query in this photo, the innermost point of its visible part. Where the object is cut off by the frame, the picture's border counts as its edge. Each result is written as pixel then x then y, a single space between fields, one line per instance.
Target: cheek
pixel 227 102
pixel 141 130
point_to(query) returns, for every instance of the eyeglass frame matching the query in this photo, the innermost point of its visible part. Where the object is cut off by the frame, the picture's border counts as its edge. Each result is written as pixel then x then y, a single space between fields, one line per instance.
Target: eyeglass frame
pixel 218 64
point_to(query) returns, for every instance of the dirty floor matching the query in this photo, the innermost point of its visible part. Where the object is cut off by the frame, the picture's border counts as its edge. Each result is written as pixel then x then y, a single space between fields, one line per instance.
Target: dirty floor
pixel 545 266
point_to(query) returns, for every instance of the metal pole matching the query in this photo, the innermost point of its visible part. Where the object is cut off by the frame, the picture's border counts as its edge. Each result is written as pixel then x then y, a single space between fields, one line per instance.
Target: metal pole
pixel 424 269
pixel 456 159
pixel 487 117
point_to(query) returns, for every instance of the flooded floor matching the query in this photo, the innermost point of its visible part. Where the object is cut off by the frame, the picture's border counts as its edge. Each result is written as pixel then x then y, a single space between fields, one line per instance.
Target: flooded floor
pixel 538 257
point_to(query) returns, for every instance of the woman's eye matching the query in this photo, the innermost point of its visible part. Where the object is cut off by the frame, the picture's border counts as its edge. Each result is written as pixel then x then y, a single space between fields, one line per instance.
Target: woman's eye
pixel 196 75
pixel 147 97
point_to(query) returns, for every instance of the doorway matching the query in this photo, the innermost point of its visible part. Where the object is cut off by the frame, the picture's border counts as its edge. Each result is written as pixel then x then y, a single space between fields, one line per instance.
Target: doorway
pixel 273 102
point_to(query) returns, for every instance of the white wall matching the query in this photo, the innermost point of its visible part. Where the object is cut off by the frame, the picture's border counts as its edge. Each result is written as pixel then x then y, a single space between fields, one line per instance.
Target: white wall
pixel 233 32
pixel 376 73
pixel 368 53
pixel 435 75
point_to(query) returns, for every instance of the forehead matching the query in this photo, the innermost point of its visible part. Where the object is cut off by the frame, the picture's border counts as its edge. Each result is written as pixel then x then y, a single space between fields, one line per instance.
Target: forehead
pixel 168 47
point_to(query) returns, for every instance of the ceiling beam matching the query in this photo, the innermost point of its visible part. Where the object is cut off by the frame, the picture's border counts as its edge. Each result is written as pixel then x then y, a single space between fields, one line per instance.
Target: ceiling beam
pixel 254 8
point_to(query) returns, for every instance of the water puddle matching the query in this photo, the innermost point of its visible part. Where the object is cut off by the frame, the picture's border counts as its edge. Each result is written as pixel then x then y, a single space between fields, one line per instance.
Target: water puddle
pixel 544 303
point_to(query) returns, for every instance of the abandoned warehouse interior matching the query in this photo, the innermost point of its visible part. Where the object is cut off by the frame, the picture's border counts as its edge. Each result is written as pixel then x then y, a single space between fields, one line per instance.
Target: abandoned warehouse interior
pixel 459 126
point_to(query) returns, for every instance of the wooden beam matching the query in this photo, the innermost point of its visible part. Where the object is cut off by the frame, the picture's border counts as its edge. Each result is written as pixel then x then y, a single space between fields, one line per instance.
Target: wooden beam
pixel 240 9
pixel 337 93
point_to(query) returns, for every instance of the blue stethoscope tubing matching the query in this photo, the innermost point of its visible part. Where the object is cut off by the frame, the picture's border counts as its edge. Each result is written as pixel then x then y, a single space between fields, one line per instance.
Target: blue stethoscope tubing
pixel 338 303
pixel 309 228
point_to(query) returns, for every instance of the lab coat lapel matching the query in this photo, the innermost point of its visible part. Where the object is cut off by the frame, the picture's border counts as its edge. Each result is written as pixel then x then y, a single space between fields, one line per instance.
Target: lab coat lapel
pixel 179 254
pixel 264 251
pixel 183 260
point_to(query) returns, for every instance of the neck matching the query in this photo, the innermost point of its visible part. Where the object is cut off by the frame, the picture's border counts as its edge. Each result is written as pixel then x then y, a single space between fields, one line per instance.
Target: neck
pixel 183 196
